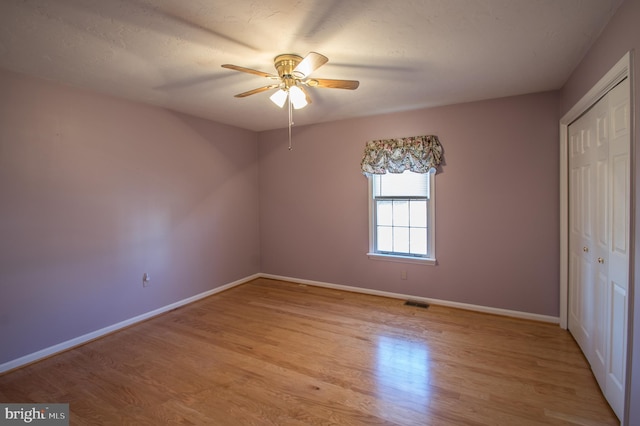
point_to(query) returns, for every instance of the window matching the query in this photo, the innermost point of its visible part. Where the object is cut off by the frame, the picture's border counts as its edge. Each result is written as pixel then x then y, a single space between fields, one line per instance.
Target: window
pixel 401 197
pixel 401 215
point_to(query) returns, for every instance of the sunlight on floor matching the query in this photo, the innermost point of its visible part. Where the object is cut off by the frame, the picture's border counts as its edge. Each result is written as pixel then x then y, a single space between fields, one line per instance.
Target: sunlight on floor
pixel 402 369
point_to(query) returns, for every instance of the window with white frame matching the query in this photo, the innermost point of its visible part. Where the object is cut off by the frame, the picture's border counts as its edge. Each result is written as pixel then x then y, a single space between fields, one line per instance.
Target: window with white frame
pixel 401 210
pixel 401 175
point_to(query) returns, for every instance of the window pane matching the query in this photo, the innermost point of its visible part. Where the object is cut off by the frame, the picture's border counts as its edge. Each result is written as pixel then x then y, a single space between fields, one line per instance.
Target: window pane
pixel 384 213
pixel 401 240
pixel 418 210
pixel 385 238
pixel 403 184
pixel 418 242
pixel 400 213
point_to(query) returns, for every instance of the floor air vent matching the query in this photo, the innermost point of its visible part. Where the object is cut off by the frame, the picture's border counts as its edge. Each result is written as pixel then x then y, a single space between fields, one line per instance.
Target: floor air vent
pixel 416 304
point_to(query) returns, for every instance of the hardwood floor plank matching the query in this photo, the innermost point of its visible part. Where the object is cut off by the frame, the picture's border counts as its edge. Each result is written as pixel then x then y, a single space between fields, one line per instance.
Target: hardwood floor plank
pixel 276 353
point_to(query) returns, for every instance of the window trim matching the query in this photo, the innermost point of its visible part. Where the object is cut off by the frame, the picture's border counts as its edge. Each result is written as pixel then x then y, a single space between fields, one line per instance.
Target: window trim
pixel 430 259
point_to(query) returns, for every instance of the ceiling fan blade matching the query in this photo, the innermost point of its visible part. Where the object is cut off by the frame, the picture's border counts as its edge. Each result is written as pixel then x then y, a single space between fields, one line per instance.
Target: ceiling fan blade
pixel 250 71
pixel 333 84
pixel 258 90
pixel 309 64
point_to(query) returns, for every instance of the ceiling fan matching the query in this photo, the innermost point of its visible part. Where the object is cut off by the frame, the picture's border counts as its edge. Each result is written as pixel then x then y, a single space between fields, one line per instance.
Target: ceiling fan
pixel 293 79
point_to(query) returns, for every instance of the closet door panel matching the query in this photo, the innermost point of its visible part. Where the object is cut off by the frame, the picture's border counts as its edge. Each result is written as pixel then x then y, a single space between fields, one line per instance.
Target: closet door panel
pixel 618 255
pixel 581 281
pixel 599 253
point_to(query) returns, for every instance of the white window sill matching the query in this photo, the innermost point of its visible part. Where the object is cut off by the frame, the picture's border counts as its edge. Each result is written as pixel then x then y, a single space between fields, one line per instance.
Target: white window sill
pixel 402 259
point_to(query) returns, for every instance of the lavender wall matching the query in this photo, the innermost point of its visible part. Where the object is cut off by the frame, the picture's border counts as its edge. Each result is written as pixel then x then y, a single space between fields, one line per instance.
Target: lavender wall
pixel 621 35
pixel 96 191
pixel 496 211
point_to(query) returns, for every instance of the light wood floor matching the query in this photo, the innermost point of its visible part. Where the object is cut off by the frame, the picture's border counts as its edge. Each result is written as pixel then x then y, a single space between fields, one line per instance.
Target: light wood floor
pixel 276 353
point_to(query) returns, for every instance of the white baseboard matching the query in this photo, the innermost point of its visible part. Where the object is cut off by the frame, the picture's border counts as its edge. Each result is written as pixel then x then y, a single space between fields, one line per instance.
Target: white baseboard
pixel 60 347
pixel 52 350
pixel 466 306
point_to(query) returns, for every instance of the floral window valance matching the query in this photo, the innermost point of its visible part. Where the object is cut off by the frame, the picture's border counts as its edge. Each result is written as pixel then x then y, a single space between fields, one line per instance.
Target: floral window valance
pixel 417 154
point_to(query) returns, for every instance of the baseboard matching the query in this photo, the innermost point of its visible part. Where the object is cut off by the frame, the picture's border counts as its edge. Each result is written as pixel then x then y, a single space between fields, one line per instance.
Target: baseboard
pixel 69 344
pixel 466 306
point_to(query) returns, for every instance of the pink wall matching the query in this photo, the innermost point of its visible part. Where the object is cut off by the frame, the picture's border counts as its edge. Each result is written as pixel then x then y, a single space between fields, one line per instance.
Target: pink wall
pixel 96 191
pixel 496 210
pixel 621 35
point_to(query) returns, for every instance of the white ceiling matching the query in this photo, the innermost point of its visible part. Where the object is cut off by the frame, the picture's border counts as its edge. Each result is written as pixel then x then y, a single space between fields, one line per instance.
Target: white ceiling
pixel 406 54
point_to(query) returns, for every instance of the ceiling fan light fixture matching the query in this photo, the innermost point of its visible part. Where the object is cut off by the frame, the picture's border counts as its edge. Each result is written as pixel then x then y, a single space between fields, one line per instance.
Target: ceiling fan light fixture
pixel 279 98
pixel 293 73
pixel 298 97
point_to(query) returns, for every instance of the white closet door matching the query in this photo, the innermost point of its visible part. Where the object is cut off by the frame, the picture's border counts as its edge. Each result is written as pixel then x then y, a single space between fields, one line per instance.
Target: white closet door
pixel 600 245
pixel 599 192
pixel 617 263
pixel 581 293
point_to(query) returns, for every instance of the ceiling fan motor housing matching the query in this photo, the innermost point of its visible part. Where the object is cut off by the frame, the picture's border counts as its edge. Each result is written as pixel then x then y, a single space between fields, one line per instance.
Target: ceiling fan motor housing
pixel 285 64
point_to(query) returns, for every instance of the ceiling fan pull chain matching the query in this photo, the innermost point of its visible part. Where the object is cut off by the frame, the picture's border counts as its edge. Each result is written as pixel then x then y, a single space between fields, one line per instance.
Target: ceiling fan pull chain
pixel 290 121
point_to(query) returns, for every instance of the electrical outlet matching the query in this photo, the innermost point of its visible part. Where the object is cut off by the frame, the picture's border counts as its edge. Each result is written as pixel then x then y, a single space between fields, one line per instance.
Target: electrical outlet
pixel 146 278
pixel 403 275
